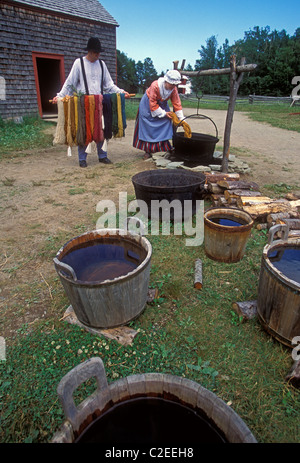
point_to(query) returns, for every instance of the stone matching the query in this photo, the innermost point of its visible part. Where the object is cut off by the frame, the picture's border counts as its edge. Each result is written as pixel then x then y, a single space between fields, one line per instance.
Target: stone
pixel 217 155
pixel 157 156
pixel 174 165
pixel 215 167
pixel 162 162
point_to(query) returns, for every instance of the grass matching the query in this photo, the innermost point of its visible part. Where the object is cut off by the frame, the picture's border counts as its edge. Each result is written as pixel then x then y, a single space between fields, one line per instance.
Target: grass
pixel 30 133
pixel 184 332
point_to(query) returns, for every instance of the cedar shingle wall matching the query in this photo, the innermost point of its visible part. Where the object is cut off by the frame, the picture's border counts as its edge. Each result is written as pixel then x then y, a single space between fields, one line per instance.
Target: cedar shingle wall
pixel 23 32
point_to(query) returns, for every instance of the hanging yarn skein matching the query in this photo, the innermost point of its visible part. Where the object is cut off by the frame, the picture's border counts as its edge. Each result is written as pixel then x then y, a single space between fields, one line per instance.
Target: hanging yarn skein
pixel 60 135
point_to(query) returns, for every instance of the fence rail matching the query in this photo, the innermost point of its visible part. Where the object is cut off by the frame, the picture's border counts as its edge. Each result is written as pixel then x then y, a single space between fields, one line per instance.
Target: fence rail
pixel 240 99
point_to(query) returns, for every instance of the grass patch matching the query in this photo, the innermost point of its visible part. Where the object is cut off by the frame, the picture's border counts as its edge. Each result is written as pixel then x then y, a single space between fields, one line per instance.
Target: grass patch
pixel 76 191
pixel 279 189
pixel 15 137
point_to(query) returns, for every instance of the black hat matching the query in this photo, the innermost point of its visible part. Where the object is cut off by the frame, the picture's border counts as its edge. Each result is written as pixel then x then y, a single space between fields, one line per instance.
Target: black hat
pixel 94 45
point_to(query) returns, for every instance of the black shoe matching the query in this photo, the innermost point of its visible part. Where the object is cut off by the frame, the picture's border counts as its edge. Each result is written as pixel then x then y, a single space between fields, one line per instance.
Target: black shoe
pixel 105 161
pixel 82 164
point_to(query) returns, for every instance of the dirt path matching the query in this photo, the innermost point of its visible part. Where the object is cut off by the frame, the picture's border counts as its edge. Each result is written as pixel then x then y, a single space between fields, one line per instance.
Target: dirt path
pixel 46 199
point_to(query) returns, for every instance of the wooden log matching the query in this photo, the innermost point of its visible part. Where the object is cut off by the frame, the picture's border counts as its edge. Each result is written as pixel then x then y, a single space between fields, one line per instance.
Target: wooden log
pixel 294 233
pixel 293 224
pixel 249 200
pixel 217 72
pixel 237 185
pixel 214 177
pixel 198 274
pixel 247 309
pixel 214 188
pixel 293 376
pixel 263 210
pixel 295 204
pixel 241 192
pixel 215 198
pixel 271 218
pixel 221 201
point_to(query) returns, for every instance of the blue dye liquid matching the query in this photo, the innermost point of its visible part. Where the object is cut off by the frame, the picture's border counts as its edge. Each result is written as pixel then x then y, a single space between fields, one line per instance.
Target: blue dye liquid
pixel 226 222
pixel 98 262
pixel 286 259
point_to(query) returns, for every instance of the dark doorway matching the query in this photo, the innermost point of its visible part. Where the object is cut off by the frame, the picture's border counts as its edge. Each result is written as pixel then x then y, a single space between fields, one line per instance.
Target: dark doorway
pixel 49 77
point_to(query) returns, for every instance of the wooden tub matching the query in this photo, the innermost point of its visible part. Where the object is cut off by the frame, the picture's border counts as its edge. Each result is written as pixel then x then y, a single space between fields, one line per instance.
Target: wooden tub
pixel 113 301
pixel 278 301
pixel 225 243
pixel 178 411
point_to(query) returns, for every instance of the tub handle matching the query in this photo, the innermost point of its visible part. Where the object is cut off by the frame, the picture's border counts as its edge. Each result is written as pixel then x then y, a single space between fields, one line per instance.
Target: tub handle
pixel 92 367
pixel 142 226
pixel 65 268
pixel 277 228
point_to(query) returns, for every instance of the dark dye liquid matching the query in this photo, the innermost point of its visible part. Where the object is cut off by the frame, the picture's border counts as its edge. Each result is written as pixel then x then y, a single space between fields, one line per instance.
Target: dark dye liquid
pixel 287 260
pixel 98 262
pixel 227 222
pixel 150 420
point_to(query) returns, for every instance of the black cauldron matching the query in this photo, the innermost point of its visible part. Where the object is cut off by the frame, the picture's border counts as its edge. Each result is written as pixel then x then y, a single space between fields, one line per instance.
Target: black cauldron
pixel 164 184
pixel 198 149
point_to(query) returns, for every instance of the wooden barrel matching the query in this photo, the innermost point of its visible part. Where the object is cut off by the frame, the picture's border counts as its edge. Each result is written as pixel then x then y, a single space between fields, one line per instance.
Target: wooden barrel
pixel 178 410
pixel 278 301
pixel 226 243
pixel 113 301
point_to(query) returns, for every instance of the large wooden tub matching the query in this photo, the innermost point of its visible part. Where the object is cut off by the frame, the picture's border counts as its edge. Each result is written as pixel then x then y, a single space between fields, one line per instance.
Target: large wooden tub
pixel 115 297
pixel 278 301
pixel 145 409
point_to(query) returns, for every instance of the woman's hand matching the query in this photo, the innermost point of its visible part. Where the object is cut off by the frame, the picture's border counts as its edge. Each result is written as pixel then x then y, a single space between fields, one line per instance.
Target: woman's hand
pixel 168 114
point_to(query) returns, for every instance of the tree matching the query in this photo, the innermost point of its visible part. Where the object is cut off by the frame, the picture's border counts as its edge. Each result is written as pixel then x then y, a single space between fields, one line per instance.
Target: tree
pixel 146 73
pixel 126 73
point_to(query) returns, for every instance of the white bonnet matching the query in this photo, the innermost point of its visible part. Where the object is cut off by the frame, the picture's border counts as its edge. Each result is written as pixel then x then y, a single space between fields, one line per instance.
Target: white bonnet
pixel 173 77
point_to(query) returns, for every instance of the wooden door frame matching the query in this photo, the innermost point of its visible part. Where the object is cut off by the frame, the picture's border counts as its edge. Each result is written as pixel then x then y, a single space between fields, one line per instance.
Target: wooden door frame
pixel 58 57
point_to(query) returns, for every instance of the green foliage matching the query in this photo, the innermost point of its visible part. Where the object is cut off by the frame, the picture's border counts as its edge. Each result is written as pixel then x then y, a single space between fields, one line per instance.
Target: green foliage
pixel 275 53
pixel 134 76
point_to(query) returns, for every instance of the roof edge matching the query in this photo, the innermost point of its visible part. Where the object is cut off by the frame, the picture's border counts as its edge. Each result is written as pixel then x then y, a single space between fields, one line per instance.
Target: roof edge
pixel 25 6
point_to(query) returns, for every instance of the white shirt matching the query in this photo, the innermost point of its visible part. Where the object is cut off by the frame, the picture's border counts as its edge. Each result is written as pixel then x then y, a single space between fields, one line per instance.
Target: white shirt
pixel 75 82
pixel 165 95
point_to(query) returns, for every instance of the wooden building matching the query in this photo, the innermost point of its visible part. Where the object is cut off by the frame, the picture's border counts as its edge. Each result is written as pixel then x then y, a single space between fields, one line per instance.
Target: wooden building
pixel 39 41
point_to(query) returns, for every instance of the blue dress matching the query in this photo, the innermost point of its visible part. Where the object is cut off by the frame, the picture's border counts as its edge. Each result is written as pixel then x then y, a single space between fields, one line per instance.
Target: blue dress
pixel 152 134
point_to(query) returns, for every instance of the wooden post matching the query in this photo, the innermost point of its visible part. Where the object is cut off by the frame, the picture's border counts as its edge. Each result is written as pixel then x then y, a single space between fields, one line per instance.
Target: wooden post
pixel 236 76
pixel 235 80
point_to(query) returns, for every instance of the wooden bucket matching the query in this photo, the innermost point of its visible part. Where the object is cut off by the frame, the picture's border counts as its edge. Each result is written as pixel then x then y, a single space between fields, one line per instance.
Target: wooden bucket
pixel 178 411
pixel 226 243
pixel 278 302
pixel 114 301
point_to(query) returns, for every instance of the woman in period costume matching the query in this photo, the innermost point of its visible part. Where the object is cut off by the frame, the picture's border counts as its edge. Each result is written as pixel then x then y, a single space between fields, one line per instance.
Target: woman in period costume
pixel 153 127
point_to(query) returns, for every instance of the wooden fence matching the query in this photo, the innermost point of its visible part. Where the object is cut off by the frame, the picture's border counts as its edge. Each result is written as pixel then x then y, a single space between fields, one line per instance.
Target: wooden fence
pixel 239 100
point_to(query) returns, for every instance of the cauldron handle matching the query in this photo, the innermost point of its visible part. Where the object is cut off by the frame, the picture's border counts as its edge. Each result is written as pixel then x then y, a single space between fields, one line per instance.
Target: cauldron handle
pixel 277 228
pixel 200 116
pixel 65 268
pixel 92 367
